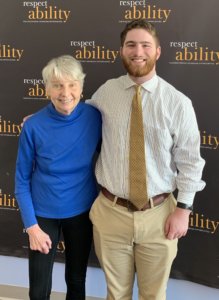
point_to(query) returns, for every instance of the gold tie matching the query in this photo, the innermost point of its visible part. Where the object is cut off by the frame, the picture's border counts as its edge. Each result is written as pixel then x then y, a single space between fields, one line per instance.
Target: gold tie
pixel 137 165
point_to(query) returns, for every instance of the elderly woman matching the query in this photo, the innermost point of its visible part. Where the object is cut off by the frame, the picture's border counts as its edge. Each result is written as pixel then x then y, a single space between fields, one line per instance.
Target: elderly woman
pixel 55 184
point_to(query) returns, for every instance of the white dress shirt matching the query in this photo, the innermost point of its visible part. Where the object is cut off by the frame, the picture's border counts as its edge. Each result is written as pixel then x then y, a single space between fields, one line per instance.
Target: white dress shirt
pixel 172 138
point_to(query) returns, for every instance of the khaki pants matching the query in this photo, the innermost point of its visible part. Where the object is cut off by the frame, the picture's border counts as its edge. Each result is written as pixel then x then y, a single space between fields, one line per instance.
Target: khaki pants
pixel 128 242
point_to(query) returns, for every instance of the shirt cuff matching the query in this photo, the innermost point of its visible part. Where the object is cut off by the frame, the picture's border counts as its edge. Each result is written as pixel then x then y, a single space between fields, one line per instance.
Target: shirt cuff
pixel 186 198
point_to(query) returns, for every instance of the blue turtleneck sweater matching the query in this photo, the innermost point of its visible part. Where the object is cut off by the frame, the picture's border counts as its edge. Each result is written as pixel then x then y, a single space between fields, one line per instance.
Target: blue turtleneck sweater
pixel 54 169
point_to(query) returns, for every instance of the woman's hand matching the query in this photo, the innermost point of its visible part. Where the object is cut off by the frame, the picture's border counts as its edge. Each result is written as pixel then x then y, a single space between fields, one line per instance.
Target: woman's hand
pixel 39 240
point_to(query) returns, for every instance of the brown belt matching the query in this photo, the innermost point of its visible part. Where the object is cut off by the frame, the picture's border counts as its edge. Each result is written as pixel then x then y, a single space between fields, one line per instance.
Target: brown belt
pixel 129 205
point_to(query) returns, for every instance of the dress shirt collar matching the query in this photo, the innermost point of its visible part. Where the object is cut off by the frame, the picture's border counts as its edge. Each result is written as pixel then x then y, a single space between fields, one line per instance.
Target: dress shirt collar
pixel 149 85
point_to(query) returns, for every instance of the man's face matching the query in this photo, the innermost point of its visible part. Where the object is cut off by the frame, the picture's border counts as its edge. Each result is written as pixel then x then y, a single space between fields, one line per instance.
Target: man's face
pixel 140 53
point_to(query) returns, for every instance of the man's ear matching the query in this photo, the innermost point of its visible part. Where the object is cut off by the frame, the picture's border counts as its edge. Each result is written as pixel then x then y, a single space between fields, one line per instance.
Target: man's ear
pixel 158 52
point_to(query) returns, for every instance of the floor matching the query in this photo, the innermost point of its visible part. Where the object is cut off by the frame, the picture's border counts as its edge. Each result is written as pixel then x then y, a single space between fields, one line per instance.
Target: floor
pixel 18 293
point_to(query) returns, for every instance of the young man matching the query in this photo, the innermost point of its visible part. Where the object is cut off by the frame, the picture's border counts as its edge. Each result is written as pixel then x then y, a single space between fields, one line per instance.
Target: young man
pixel 143 240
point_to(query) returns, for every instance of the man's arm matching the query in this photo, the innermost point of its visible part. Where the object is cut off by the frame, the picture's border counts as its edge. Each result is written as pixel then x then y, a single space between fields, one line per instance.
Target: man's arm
pixel 186 154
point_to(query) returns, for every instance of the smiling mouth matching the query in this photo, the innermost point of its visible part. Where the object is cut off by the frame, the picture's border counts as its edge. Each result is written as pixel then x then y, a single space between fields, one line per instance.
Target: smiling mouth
pixel 65 101
pixel 138 60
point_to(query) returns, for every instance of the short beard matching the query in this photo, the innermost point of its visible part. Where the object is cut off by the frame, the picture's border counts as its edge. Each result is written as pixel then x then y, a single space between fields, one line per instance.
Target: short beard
pixel 139 71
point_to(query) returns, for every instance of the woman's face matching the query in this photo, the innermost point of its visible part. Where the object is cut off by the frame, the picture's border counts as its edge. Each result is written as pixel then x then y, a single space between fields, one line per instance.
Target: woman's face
pixel 64 93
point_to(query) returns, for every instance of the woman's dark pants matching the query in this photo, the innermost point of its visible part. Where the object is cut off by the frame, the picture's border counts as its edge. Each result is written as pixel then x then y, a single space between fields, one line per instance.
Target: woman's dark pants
pixel 77 234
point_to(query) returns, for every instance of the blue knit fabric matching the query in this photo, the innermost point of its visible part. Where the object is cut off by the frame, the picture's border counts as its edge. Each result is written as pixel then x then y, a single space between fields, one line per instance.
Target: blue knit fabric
pixel 54 169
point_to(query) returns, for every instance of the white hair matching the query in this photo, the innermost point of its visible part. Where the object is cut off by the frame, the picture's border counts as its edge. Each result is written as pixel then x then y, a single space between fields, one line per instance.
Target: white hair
pixel 62 67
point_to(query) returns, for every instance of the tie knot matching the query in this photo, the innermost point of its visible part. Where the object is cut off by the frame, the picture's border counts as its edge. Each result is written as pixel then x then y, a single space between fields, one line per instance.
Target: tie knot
pixel 138 89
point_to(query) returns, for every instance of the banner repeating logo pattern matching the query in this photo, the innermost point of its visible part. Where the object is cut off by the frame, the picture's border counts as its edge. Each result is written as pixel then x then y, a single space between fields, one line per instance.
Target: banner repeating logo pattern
pixel 33 32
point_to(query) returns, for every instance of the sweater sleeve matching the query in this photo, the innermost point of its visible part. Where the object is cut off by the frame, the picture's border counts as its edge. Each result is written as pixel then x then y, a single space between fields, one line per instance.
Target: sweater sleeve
pixel 23 175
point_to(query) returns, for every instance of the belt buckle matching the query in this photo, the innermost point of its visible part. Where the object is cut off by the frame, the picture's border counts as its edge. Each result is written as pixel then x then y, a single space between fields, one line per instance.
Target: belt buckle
pixel 130 206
